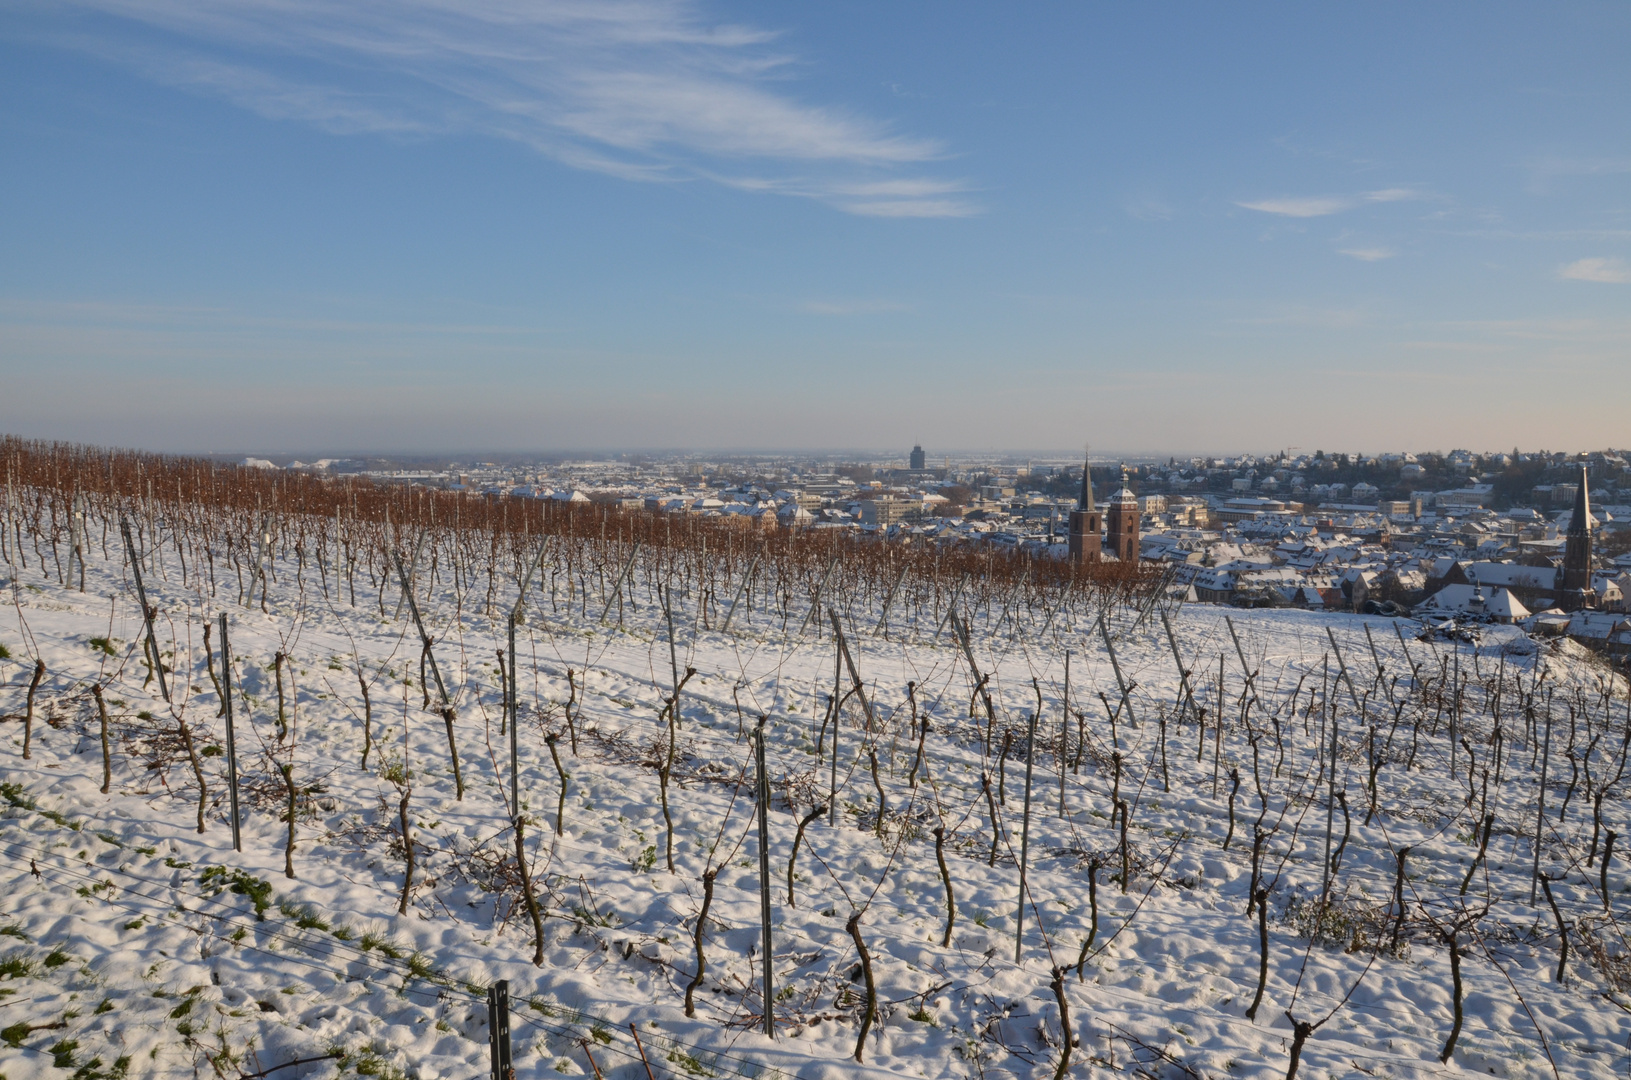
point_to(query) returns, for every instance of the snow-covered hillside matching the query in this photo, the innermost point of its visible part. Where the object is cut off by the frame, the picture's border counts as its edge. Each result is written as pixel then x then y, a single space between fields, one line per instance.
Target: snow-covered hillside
pixel 136 944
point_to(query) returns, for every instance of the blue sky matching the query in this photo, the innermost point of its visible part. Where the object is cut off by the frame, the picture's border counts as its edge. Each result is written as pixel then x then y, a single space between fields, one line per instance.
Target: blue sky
pixel 439 226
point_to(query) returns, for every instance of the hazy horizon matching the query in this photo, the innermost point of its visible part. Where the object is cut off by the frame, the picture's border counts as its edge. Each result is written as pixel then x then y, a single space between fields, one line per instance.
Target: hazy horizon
pixel 936 455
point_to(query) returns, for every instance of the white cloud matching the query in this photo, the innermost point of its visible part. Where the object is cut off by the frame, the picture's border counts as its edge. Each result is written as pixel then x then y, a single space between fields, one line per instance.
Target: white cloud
pixel 1376 254
pixel 647 90
pixel 851 307
pixel 1310 206
pixel 1300 207
pixel 901 208
pixel 1604 271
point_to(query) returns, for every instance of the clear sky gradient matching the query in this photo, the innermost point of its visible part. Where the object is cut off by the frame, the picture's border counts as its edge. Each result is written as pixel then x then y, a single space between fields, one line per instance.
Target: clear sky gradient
pixel 458 226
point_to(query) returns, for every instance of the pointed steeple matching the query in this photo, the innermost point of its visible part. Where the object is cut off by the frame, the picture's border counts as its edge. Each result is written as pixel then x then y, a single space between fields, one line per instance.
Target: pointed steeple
pixel 1576 577
pixel 1580 520
pixel 1086 500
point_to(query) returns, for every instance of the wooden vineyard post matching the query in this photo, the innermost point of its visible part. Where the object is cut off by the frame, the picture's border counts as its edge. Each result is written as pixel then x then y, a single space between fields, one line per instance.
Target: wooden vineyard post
pixel 951 607
pixel 28 715
pixel 849 662
pixel 1064 733
pixel 339 558
pixel 232 741
pixel 107 756
pixel 1186 698
pixel 1330 814
pixel 76 540
pixel 762 789
pixel 1115 665
pixel 1342 667
pixel 616 595
pixel 814 614
pixel 258 573
pixel 411 581
pixel 1246 671
pixel 725 627
pixel 959 630
pixel 1217 729
pixel 448 714
pixel 147 612
pixel 509 713
pixel 837 715
pixel 1455 717
pixel 1540 804
pixel 1025 830
pixel 888 601
pixel 673 653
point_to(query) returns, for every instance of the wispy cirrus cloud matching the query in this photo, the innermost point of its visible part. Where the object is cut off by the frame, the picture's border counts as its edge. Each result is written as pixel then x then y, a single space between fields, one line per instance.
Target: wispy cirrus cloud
pixel 1370 254
pixel 1305 207
pixel 1392 194
pixel 1604 271
pixel 646 90
pixel 1311 206
pixel 852 307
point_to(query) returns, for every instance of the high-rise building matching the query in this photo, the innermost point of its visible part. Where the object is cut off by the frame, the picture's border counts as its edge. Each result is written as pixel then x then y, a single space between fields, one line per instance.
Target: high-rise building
pixel 920 460
pixel 1086 523
pixel 1577 590
pixel 1122 536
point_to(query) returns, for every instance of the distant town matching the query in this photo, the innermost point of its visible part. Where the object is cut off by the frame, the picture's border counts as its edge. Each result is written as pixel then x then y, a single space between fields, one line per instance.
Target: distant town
pixel 1542 539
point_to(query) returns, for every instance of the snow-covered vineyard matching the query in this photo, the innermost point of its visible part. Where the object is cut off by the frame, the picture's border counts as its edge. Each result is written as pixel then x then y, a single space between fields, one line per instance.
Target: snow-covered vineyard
pixel 1082 833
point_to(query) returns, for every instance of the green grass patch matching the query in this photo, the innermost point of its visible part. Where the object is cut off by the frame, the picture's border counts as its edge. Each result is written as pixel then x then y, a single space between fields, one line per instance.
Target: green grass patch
pixel 216 878
pixel 304 915
pixel 376 942
pixel 62 1054
pixel 16 796
pixel 92 1069
pixel 688 1064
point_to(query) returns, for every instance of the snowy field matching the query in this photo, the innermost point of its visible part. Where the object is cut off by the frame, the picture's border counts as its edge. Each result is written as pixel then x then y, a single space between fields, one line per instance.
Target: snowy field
pixel 136 944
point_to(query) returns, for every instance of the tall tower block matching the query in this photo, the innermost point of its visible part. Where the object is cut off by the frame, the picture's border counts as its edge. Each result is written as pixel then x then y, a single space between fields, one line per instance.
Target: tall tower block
pixel 1086 523
pixel 1122 537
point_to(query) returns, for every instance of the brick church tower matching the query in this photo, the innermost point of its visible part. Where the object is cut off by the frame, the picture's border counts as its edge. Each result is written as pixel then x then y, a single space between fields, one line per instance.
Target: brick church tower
pixel 1086 523
pixel 1122 538
pixel 1577 591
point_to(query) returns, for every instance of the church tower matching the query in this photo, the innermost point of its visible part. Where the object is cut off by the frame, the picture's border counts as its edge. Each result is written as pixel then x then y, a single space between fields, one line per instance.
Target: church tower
pixel 1577 591
pixel 1122 537
pixel 1086 523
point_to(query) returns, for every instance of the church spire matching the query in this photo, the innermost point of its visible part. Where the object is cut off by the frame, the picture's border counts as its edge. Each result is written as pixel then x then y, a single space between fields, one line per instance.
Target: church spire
pixel 1576 578
pixel 1086 501
pixel 1580 520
